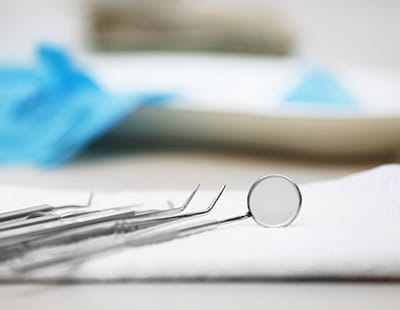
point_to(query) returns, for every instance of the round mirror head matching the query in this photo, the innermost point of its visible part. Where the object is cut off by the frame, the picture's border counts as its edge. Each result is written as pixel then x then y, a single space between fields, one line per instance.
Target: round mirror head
pixel 274 201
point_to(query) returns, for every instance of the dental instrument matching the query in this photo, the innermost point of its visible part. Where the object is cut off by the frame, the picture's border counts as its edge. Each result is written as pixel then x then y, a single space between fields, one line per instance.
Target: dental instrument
pixel 272 201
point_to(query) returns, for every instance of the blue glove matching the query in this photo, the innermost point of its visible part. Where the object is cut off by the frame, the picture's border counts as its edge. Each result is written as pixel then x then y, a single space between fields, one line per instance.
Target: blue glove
pixel 50 113
pixel 318 89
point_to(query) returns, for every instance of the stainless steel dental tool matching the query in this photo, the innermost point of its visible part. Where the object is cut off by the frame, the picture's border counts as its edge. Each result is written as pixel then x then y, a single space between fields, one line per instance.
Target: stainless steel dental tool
pixel 37 211
pixel 21 235
pixel 272 201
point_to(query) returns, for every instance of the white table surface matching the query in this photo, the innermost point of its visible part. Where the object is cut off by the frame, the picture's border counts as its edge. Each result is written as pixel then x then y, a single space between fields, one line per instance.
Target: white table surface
pixel 181 169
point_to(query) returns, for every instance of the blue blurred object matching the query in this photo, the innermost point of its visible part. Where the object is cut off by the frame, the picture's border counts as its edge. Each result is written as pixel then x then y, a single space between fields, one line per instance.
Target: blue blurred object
pixel 318 88
pixel 50 113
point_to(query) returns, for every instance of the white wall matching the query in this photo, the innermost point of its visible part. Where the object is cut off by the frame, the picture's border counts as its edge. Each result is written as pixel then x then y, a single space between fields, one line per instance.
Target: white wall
pixel 352 31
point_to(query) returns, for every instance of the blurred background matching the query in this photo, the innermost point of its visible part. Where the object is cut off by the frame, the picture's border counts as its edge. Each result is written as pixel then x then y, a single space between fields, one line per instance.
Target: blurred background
pixel 136 95
pixel 355 31
pixel 254 85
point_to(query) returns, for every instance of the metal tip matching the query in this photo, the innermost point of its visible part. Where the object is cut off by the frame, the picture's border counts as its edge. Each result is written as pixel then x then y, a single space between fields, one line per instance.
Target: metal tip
pixel 215 200
pixel 189 199
pixel 170 204
pixel 89 202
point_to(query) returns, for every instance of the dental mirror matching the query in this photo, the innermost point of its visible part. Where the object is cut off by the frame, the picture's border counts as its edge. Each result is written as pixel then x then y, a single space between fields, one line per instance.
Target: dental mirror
pixel 274 201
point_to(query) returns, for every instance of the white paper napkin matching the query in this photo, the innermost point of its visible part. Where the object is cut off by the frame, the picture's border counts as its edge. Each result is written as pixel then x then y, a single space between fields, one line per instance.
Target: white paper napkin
pixel 348 228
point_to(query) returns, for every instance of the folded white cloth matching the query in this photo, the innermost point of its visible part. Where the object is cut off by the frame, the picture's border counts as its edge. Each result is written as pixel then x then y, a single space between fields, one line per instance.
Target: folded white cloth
pixel 347 228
